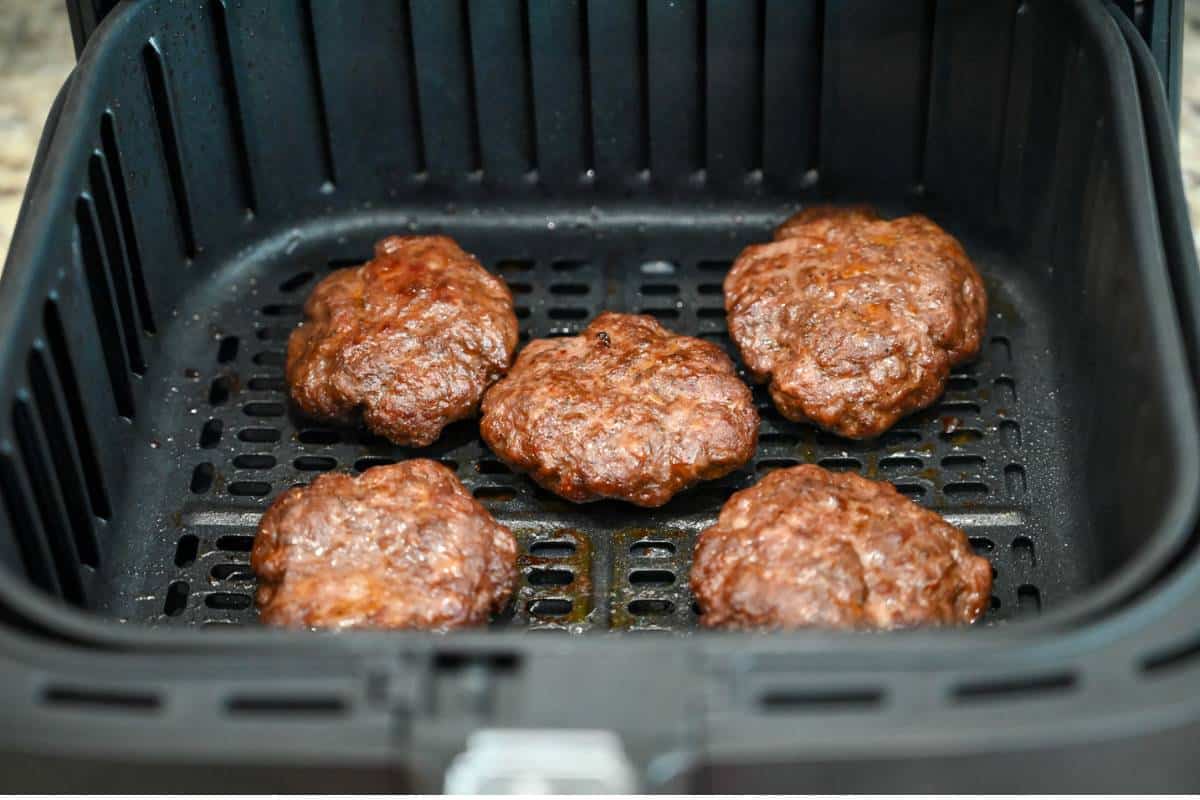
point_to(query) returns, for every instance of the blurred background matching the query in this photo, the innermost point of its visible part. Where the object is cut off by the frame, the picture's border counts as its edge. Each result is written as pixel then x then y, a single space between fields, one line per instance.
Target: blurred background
pixel 36 54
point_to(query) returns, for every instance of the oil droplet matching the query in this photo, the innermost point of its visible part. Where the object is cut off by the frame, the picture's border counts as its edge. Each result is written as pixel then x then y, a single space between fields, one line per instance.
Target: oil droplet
pixel 551 225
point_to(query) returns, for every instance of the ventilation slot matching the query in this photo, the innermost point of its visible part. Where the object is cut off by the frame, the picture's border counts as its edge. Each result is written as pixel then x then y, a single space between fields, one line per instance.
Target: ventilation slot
pixel 227 601
pixel 202 478
pixel 220 390
pixel 228 350
pixel 963 462
pixel 410 69
pixel 965 490
pixel 651 577
pixel 648 548
pixel 235 543
pixel 490 466
pixel 286 706
pixel 186 550
pixel 900 438
pixel 70 479
pixel 210 434
pixel 1029 601
pixel 176 602
pixel 282 310
pixel 551 607
pixel 1171 658
pixel 645 607
pixel 232 572
pixel 232 102
pixel 1014 480
pixel 113 700
pixel 277 385
pixel 116 261
pixel 1012 688
pixel 772 464
pixel 841 464
pixel 493 494
pixel 643 52
pixel 28 531
pixel 900 465
pixel 318 436
pixel 270 358
pixel 249 489
pixel 550 577
pixel 116 174
pixel 264 410
pixel 259 435
pixel 85 445
pixel 796 701
pixel 1006 391
pixel 102 304
pixel 552 549
pixel 322 120
pixel 254 461
pixel 295 282
pixel 314 463
pixel 34 452
pixel 160 98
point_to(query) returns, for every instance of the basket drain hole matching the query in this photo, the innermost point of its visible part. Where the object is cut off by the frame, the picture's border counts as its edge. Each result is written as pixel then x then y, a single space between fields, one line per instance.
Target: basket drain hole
pixel 550 577
pixel 236 543
pixel 202 478
pixel 552 549
pixel 228 601
pixel 176 601
pixel 551 607
pixel 651 577
pixel 644 607
pixel 186 549
pixel 648 548
pixel 210 434
pixel 259 435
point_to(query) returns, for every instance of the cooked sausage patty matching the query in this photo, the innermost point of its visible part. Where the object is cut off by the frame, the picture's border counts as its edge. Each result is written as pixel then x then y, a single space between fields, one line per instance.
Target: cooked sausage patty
pixel 411 339
pixel 400 546
pixel 808 547
pixel 856 321
pixel 625 410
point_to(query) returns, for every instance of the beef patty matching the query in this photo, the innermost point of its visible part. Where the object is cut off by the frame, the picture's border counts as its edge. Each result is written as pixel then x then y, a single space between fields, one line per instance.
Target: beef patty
pixel 625 410
pixel 411 339
pixel 808 547
pixel 400 546
pixel 856 321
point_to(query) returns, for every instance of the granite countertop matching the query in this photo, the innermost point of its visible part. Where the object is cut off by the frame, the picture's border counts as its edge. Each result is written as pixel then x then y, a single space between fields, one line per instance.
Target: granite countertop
pixel 36 54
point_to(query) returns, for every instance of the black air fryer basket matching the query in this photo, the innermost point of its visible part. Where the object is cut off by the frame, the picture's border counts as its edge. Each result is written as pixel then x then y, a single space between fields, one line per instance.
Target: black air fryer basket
pixel 208 162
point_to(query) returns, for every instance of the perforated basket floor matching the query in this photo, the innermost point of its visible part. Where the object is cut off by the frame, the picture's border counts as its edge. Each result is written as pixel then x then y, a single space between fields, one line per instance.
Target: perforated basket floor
pixel 985 456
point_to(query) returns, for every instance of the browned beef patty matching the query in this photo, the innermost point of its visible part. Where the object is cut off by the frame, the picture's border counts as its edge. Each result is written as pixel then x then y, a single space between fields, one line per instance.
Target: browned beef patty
pixel 625 410
pixel 400 546
pixel 411 339
pixel 808 547
pixel 856 321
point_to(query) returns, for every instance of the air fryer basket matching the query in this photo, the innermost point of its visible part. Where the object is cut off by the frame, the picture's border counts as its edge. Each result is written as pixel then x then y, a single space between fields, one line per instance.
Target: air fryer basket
pixel 158 228
pixel 221 159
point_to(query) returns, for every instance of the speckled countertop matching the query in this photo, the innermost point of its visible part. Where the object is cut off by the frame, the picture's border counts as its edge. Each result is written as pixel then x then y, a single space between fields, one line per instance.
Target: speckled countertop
pixel 36 54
